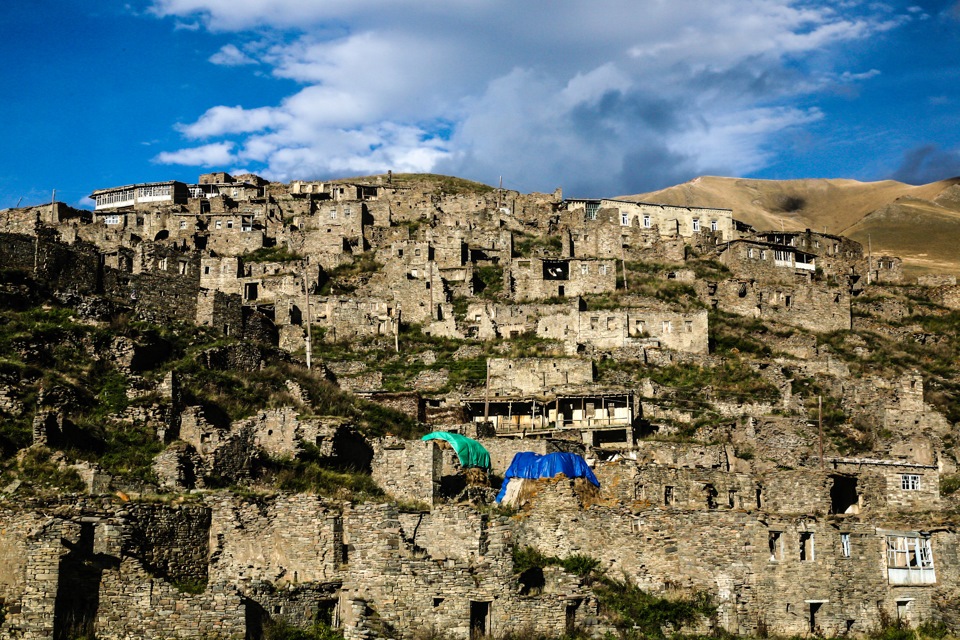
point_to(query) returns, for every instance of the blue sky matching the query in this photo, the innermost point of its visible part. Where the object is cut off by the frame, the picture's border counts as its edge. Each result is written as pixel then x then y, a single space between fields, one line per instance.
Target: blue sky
pixel 604 97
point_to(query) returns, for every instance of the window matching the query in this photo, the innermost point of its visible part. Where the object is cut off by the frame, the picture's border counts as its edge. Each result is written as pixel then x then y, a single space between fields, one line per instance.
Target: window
pixel 688 326
pixel 584 270
pixel 646 222
pixel 111 219
pixel 624 219
pixel 246 223
pixel 218 224
pixel 750 252
pixel 333 214
pixel 909 559
pixel 669 496
pixel 763 254
pixel 183 224
pixel 713 225
pixel 844 545
pixel 667 326
pixel 783 256
pixel 696 225
pixel 910 482
pixel 162 264
pixel 347 212
pixel 775 544
pixel 235 192
pixel 229 224
pixel 806 546
pixel 603 269
pixel 591 210
pixel 182 267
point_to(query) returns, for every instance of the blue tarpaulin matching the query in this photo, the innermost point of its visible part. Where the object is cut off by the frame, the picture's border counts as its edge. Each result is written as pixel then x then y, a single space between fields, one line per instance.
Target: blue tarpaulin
pixel 533 465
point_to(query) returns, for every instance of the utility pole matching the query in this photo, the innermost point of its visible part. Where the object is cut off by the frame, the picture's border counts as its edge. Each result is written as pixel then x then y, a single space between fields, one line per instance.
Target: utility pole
pixel 306 293
pixel 820 426
pixel 623 262
pixel 396 330
pixel 486 397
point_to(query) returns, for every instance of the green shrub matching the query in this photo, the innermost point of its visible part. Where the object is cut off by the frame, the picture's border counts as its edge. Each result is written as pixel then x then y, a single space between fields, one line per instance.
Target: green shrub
pixel 949 484
pixel 280 630
pixel 38 470
pixel 634 612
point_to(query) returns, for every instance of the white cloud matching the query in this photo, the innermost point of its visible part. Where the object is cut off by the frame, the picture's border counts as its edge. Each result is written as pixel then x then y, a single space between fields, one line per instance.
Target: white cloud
pixel 210 155
pixel 230 56
pixel 600 94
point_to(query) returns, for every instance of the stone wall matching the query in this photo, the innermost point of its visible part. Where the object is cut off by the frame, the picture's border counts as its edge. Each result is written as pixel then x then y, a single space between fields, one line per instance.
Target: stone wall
pixel 525 376
pixel 408 470
pixel 811 307
pixel 749 561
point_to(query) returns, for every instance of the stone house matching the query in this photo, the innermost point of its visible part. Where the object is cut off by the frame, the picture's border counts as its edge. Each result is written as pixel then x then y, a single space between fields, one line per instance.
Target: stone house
pixel 811 306
pixel 650 323
pixel 139 195
pixel 667 220
pixel 764 261
pixel 539 278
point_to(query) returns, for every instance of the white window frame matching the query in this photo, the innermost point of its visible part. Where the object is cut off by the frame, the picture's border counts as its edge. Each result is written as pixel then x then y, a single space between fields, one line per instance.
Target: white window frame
pixel 111 219
pixel 624 219
pixel 910 481
pixel 696 225
pixel 646 222
pixel 844 545
pixel 909 559
pixel 713 225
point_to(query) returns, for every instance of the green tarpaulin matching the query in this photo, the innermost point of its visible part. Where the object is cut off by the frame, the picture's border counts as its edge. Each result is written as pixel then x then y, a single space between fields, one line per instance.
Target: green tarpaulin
pixel 470 452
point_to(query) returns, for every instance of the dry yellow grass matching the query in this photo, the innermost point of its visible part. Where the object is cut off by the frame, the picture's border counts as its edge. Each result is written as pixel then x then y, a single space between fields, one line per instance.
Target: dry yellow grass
pixel 920 224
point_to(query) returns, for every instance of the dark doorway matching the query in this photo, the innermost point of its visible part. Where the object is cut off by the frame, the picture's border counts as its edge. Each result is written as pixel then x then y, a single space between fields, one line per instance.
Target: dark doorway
pixel 78 589
pixel 843 495
pixel 814 608
pixel 254 617
pixel 571 625
pixel 479 619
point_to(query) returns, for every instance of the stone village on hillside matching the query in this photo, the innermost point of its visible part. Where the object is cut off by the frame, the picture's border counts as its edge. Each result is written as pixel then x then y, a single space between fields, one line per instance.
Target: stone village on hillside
pixel 785 539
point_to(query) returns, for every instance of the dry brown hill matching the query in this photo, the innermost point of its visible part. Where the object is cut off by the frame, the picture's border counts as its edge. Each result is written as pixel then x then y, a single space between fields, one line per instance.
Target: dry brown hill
pixel 921 224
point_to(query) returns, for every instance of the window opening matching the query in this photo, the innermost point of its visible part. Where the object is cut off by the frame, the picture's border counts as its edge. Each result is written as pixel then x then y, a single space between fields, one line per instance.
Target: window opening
pixel 669 496
pixel 775 545
pixel 806 546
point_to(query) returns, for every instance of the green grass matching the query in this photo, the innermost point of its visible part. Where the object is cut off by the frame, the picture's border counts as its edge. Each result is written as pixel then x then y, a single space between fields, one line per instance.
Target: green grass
pixel 307 473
